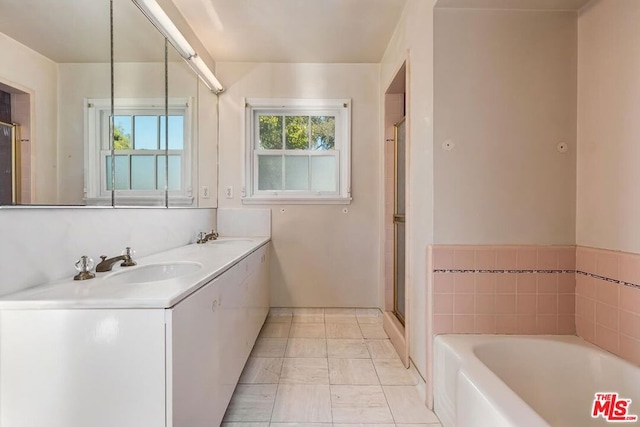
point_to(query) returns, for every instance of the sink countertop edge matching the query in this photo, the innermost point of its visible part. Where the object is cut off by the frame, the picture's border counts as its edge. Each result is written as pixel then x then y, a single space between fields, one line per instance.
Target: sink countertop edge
pixel 151 295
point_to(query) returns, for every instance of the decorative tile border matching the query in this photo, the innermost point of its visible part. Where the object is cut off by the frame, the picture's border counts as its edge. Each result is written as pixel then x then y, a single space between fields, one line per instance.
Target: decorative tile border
pixel 504 271
pixel 608 279
pixel 595 276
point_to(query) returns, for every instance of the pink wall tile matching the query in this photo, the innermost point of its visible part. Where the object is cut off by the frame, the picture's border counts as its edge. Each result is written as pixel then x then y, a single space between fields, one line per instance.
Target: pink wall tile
pixel 585 259
pixel 527 258
pixel 442 283
pixel 567 258
pixel 585 286
pixel 547 258
pixel 464 304
pixel 526 304
pixel 506 304
pixel 607 338
pixel 527 284
pixel 607 315
pixel 463 324
pixel 442 258
pixel 630 324
pixel 507 283
pixel 506 324
pixel 463 283
pixel 547 283
pixel 485 283
pixel 506 258
pixel 485 304
pixel 607 264
pixel 547 324
pixel 567 304
pixel 566 324
pixel 630 349
pixel 485 324
pixel 567 283
pixel 527 324
pixel 547 304
pixel 464 258
pixel 486 259
pixel 586 308
pixel 629 266
pixel 630 299
pixel 443 304
pixel 586 329
pixel 607 292
pixel 442 324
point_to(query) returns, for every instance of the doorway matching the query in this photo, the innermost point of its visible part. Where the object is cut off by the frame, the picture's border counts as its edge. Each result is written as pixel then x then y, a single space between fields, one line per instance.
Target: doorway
pixel 399 221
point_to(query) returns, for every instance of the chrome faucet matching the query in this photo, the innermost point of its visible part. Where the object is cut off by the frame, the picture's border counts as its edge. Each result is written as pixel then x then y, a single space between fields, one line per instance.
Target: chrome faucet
pixel 204 238
pixel 107 263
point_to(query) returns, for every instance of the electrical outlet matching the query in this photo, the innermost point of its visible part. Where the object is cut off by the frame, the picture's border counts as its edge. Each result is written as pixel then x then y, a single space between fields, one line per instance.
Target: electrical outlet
pixel 229 192
pixel 205 192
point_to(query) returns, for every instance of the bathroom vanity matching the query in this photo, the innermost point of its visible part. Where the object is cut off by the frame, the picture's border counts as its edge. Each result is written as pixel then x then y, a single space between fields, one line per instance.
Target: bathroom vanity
pixel 159 344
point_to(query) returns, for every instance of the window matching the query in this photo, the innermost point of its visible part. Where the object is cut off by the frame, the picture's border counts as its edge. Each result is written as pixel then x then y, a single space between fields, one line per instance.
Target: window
pixel 297 151
pixel 142 166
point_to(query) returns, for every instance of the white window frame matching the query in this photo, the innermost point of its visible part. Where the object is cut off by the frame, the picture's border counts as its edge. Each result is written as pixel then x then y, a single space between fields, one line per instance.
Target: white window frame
pixel 340 108
pixel 97 113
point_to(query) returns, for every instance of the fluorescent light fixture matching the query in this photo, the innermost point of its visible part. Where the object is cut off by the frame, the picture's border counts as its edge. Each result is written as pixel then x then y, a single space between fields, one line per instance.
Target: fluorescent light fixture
pixel 205 74
pixel 163 23
pixel 152 10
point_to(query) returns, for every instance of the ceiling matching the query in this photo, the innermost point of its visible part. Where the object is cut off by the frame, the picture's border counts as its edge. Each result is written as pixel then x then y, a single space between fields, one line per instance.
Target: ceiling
pixel 325 31
pixel 514 4
pixel 78 30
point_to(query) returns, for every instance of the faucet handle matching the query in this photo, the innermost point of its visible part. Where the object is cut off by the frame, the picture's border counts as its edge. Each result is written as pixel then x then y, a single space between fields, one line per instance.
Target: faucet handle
pixel 128 252
pixel 84 265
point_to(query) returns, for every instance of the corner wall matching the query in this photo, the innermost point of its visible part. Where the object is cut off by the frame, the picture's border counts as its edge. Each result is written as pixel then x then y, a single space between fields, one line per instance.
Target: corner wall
pixel 413 39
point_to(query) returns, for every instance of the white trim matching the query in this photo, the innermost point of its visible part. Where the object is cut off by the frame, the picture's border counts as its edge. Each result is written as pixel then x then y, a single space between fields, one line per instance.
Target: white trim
pixel 340 108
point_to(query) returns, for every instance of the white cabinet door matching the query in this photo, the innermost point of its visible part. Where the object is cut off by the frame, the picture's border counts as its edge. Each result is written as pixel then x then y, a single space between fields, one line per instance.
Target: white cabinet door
pixel 79 368
pixel 194 366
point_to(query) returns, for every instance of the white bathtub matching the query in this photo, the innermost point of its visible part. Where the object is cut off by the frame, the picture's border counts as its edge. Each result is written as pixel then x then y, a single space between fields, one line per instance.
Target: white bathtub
pixel 492 381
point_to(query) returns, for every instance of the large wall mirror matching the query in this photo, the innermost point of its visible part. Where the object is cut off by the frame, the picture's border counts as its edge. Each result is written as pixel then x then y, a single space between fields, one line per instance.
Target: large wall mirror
pixel 59 112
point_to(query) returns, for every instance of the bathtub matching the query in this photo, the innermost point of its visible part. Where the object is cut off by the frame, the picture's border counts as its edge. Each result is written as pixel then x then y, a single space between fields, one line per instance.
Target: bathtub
pixel 492 381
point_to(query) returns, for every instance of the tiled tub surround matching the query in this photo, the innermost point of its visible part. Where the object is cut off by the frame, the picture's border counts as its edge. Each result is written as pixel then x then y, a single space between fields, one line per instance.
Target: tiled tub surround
pixel 504 289
pixel 608 300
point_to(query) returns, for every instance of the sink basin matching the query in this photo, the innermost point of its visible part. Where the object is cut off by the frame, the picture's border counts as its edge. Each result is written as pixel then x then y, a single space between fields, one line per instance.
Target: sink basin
pixel 152 273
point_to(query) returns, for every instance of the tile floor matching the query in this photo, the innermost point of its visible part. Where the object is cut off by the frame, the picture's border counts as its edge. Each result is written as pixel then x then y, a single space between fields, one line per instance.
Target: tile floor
pixel 323 368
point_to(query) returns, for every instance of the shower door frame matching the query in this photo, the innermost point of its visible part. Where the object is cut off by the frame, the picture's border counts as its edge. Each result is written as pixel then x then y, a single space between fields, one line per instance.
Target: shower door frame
pixel 399 219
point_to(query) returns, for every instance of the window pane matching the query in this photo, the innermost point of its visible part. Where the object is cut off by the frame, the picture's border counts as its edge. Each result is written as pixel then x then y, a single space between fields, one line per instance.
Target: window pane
pixel 270 132
pixel 145 135
pixel 176 132
pixel 296 173
pixel 297 128
pixel 323 173
pixel 122 172
pixel 143 175
pixel 323 132
pixel 122 133
pixel 269 173
pixel 175 171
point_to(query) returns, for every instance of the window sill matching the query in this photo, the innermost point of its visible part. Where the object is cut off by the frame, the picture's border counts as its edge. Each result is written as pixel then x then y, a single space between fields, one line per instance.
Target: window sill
pixel 258 200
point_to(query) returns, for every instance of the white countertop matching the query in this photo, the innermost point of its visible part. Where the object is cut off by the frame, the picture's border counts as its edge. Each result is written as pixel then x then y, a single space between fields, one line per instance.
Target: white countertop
pixel 215 257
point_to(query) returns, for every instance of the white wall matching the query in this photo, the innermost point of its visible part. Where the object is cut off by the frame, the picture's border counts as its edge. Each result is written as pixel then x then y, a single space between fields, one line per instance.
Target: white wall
pixel 608 199
pixel 322 257
pixel 35 74
pixel 132 80
pixel 414 37
pixel 505 96
pixel 39 245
